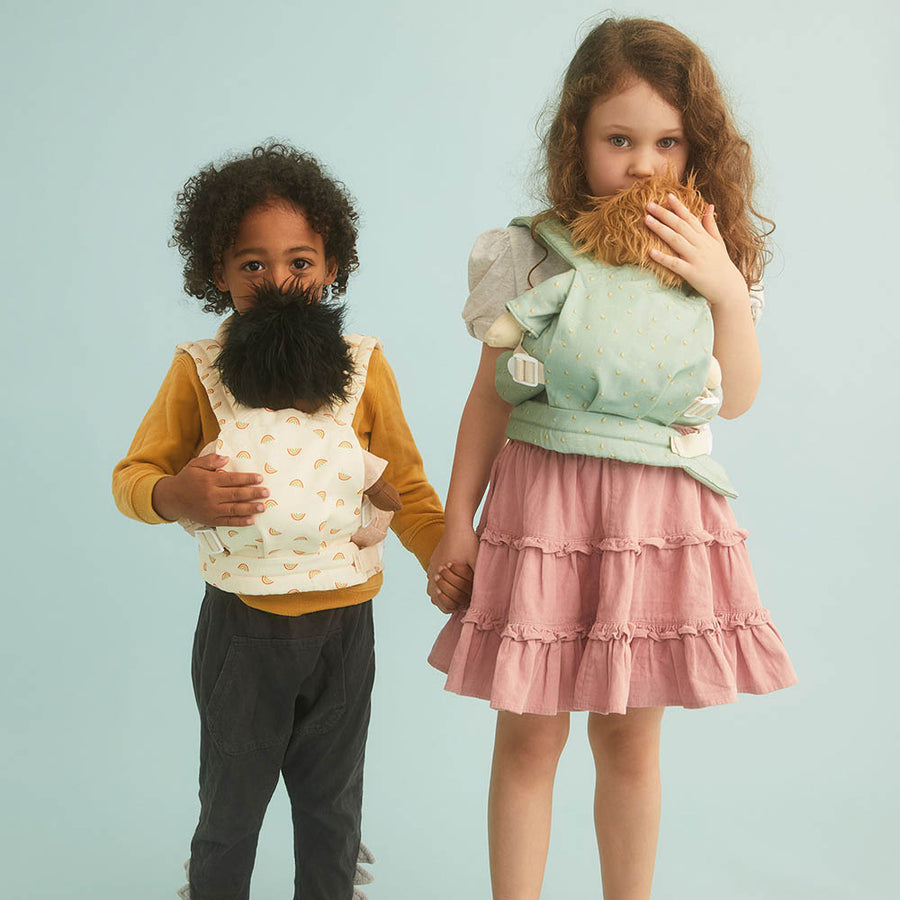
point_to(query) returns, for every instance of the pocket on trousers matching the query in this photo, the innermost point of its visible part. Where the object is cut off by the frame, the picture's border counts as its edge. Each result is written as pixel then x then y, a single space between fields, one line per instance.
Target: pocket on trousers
pixel 321 705
pixel 250 708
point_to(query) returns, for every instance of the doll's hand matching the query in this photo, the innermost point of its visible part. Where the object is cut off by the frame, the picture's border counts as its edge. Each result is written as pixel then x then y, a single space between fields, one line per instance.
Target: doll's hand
pixel 451 568
pixel 702 258
pixel 383 495
pixel 505 332
pixel 204 492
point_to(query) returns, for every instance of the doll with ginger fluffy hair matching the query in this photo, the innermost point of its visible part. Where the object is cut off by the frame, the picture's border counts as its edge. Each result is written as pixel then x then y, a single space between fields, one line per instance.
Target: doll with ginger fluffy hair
pixel 612 230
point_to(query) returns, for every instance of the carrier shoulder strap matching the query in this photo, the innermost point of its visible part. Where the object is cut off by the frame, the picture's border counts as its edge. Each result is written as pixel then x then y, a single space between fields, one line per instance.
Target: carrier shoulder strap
pixel 361 347
pixel 554 235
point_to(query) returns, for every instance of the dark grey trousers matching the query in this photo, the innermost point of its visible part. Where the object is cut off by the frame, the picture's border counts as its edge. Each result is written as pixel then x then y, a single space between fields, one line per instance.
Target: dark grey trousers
pixel 289 696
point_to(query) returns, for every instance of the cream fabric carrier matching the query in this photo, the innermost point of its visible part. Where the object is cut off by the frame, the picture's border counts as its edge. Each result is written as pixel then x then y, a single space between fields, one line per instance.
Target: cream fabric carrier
pixel 313 466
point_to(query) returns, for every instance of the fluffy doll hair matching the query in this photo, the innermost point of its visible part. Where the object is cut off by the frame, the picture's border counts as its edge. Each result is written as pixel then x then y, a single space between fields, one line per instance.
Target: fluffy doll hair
pixel 612 229
pixel 287 350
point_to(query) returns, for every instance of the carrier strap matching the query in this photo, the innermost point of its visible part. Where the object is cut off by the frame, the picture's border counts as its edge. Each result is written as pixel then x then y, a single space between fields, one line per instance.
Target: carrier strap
pixel 555 236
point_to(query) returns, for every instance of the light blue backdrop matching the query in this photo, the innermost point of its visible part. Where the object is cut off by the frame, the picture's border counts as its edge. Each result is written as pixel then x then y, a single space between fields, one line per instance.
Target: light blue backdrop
pixel 427 112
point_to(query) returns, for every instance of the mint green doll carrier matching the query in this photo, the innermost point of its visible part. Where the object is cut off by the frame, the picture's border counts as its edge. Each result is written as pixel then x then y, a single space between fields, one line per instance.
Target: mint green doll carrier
pixel 609 363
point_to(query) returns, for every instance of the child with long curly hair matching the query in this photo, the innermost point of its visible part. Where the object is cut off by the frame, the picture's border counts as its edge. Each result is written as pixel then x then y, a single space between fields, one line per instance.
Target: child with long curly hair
pixel 611 575
pixel 267 442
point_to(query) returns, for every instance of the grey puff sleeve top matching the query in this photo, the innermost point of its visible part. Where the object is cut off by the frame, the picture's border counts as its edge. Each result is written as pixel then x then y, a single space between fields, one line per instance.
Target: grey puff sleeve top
pixel 499 265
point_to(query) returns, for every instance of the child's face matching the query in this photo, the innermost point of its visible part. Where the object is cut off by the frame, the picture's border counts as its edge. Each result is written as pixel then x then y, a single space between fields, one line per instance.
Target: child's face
pixel 275 243
pixel 630 136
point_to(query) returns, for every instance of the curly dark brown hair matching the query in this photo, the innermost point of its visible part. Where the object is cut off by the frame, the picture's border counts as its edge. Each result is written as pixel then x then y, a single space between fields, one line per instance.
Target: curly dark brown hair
pixel 616 52
pixel 212 204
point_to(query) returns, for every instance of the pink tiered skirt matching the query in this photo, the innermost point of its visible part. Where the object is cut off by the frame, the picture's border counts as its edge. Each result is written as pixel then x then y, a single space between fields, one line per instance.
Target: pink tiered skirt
pixel 602 585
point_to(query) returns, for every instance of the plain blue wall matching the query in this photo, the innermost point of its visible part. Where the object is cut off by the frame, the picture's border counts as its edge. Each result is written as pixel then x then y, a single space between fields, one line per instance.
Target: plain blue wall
pixel 427 112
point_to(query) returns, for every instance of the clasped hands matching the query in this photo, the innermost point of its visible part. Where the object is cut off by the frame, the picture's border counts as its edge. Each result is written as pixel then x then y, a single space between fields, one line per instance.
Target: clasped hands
pixel 451 569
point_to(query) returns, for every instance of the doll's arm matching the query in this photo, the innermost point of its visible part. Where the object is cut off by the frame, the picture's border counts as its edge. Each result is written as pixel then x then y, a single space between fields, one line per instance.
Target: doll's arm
pixel 714 376
pixel 536 309
pixel 383 495
pixel 533 313
pixel 379 491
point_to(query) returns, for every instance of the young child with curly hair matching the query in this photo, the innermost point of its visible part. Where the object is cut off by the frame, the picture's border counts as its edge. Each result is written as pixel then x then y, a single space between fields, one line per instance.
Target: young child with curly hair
pixel 611 575
pixel 295 412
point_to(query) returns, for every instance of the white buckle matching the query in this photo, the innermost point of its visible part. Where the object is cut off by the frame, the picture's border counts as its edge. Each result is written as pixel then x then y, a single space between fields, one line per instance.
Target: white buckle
pixel 209 540
pixel 702 405
pixel 525 369
pixel 697 442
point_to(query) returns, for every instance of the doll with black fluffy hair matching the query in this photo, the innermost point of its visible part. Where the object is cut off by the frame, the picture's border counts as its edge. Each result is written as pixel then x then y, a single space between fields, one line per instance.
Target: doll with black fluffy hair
pixel 288 350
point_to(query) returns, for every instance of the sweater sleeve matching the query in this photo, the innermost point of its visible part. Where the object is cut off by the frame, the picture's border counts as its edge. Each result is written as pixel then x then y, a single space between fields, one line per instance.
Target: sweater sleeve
pixel 179 422
pixel 381 425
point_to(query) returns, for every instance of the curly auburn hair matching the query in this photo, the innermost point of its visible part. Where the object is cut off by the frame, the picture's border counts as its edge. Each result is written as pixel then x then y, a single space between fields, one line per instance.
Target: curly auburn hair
pixel 618 51
pixel 212 204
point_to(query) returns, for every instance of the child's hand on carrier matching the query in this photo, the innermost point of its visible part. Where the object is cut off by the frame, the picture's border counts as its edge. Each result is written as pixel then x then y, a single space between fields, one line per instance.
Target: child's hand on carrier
pixel 450 571
pixel 204 492
pixel 702 258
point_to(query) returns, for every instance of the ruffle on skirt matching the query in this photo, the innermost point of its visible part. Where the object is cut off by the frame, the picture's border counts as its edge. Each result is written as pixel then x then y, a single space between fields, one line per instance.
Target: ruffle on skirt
pixel 603 585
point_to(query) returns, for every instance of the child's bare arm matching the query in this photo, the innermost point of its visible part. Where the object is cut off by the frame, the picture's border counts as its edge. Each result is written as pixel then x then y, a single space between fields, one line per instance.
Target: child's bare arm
pixel 482 433
pixel 203 492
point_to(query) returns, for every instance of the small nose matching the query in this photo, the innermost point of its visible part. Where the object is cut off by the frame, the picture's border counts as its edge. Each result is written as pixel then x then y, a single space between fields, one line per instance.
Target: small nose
pixel 645 162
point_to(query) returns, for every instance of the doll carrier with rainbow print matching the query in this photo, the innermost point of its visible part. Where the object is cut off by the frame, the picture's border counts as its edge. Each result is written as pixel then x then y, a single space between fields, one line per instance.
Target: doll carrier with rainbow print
pixel 313 466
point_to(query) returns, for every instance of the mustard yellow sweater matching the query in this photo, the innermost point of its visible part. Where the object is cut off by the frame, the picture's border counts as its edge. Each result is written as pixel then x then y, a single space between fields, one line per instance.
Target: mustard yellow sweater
pixel 180 422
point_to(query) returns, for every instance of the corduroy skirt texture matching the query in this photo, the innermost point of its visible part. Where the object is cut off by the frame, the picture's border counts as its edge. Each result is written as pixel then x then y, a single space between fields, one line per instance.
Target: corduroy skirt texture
pixel 602 585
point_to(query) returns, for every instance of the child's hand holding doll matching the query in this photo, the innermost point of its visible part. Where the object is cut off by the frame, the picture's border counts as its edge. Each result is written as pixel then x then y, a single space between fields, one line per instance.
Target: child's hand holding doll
pixel 702 258
pixel 208 495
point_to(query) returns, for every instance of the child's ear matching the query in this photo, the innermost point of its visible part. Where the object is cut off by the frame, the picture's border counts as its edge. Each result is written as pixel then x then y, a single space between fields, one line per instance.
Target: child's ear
pixel 218 276
pixel 331 274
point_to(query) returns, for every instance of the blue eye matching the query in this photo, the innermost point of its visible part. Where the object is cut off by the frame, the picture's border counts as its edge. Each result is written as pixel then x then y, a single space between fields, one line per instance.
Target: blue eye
pixel 618 140
pixel 668 143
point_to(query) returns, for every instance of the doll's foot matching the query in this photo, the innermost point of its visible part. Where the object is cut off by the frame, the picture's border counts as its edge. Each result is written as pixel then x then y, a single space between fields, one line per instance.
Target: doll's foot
pixel 362 876
pixel 185 891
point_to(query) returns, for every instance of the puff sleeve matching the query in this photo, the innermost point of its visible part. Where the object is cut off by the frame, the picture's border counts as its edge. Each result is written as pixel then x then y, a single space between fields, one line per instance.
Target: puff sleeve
pixel 492 281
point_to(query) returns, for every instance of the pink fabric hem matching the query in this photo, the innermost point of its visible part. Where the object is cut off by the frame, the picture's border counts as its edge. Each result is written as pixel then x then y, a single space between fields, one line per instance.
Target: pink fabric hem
pixel 728 537
pixel 607 673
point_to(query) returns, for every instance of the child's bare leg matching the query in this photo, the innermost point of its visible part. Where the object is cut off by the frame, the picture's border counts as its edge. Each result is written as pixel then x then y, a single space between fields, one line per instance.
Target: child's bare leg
pixel 627 799
pixel 526 751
